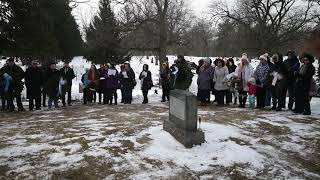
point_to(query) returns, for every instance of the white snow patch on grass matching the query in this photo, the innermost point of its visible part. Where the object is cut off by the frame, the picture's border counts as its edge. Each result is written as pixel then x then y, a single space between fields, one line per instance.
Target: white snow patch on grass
pixel 217 150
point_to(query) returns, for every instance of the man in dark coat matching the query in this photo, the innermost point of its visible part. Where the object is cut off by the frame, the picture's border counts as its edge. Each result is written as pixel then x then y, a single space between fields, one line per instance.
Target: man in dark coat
pixel 52 85
pixel 184 76
pixel 67 74
pixel 303 83
pixel 17 75
pixel 279 84
pixel 293 66
pixel 102 83
pixel 34 80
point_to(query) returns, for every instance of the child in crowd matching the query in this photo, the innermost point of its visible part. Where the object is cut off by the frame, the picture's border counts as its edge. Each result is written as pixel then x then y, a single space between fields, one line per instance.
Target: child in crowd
pixel 252 92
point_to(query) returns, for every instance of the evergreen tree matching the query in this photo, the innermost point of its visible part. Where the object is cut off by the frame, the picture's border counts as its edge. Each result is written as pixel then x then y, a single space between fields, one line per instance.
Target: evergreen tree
pixel 103 37
pixel 40 29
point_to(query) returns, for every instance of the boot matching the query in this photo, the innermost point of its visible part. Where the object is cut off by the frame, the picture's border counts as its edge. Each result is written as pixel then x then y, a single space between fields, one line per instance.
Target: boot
pixel 244 100
pixel 240 102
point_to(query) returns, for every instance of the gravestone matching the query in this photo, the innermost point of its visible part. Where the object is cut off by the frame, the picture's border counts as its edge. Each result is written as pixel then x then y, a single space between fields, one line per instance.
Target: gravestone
pixel 182 122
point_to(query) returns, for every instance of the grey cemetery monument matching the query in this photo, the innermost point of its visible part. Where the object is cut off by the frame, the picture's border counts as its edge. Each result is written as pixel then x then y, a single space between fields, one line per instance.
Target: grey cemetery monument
pixel 182 122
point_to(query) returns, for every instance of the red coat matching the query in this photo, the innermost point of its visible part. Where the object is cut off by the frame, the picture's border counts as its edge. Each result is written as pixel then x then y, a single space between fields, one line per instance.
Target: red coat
pixel 252 89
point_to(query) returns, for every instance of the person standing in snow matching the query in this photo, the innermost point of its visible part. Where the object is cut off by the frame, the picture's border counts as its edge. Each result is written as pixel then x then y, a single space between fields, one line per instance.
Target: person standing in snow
pixel 252 92
pixel 34 81
pixel 93 78
pixel 303 84
pixel 243 72
pixel 261 74
pixel 205 78
pixel 68 75
pixel 220 79
pixel 279 83
pixel 52 85
pixel 184 75
pixel 146 82
pixel 165 82
pixel 17 75
pixel 128 82
pixel 85 84
pixel 112 84
pixel 231 91
pixel 293 66
pixel 101 89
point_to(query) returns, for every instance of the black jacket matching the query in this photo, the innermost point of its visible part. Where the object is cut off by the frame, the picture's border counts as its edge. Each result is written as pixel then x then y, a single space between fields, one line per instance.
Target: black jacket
pixel 304 76
pixel 129 82
pixel 147 81
pixel 52 83
pixel 164 76
pixel 67 75
pixel 34 81
pixel 17 75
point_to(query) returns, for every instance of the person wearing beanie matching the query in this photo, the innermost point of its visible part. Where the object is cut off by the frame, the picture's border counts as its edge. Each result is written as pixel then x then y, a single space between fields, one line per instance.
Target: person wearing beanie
pixel 260 75
pixel 303 83
pixel 242 74
pixel 279 83
pixel 204 81
pixel 292 65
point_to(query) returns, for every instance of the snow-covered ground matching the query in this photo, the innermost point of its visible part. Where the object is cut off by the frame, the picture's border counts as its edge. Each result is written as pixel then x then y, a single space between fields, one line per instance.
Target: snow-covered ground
pixel 128 142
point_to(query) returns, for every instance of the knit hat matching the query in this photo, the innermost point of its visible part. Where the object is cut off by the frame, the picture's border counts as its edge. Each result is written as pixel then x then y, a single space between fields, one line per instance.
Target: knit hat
pixel 208 60
pixel 252 80
pixel 244 56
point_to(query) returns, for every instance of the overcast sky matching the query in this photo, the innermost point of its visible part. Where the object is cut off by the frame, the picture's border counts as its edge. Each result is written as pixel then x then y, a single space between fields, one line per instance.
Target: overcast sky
pixel 84 12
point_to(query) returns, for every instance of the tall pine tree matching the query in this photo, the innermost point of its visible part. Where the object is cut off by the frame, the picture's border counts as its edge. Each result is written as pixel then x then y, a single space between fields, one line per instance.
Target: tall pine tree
pixel 41 29
pixel 103 37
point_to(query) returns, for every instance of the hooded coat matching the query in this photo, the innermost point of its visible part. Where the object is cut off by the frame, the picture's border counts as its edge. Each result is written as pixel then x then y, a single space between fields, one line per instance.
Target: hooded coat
pixel 146 78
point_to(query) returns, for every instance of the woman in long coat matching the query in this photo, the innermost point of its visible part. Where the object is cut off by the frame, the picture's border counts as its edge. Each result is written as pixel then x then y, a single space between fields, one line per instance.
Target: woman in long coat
pixel 205 77
pixel 243 72
pixel 220 78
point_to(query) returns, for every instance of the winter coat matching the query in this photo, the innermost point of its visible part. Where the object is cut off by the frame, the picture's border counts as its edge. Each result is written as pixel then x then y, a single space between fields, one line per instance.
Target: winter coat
pixel 220 79
pixel 205 77
pixel 85 81
pixel 305 76
pixel 67 74
pixel 261 74
pixel 112 79
pixel 34 81
pixel 93 77
pixel 102 80
pixel 146 80
pixel 52 83
pixel 244 75
pixel 184 76
pixel 165 77
pixel 232 68
pixel 17 75
pixel 127 79
pixel 292 67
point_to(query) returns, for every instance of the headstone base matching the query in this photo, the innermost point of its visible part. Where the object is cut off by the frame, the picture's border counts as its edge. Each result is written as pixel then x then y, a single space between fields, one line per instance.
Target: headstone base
pixel 187 138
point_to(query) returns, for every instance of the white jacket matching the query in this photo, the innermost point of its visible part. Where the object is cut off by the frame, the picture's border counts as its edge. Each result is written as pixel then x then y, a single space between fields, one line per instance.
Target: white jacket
pixel 248 72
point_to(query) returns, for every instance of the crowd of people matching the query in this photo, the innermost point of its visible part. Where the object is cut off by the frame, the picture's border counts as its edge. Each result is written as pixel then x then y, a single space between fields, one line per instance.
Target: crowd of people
pixel 266 85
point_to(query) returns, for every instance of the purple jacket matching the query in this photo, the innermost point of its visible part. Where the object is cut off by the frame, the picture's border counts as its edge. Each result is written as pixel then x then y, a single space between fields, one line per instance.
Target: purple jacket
pixel 112 79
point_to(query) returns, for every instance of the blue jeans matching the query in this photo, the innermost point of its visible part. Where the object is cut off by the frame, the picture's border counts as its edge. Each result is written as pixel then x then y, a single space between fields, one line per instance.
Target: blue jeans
pixel 127 95
pixel 268 96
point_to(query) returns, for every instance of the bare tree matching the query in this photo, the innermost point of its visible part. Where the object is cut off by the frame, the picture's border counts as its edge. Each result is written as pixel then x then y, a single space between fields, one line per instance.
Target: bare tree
pixel 273 23
pixel 155 24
